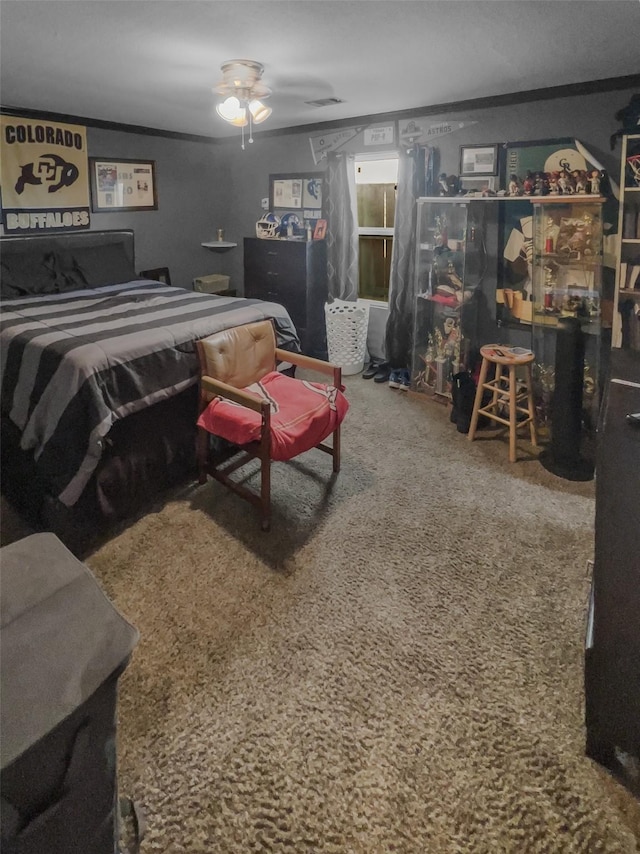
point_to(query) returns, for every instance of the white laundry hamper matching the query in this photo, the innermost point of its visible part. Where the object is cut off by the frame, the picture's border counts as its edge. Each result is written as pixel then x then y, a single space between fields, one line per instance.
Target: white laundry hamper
pixel 347 324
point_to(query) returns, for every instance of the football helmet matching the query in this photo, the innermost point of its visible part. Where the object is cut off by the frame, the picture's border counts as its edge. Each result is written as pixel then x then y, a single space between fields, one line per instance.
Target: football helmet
pixel 293 220
pixel 268 225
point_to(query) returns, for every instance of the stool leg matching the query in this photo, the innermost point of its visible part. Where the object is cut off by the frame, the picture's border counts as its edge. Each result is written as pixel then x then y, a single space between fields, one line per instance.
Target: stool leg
pixel 497 379
pixel 478 399
pixel 532 409
pixel 512 414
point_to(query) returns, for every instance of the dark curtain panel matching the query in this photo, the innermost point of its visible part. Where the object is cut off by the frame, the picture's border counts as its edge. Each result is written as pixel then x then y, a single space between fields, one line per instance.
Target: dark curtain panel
pixel 413 171
pixel 342 232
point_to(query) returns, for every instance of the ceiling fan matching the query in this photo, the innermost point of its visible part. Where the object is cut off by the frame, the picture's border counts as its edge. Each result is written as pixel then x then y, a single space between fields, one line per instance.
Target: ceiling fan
pixel 243 87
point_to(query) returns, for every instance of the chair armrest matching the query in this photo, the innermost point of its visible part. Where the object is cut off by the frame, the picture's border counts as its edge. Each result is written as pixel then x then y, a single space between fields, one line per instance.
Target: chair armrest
pixel 312 364
pixel 237 395
pixel 309 362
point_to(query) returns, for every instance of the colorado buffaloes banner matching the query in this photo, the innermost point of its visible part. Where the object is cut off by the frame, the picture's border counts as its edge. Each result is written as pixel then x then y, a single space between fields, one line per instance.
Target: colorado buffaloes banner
pixel 44 176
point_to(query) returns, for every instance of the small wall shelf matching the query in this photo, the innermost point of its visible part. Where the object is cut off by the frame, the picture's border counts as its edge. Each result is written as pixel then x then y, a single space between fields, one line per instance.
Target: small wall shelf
pixel 218 244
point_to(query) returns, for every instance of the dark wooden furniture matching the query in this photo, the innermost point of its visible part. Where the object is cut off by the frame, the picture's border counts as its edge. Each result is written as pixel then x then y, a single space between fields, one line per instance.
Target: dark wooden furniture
pixel 294 274
pixel 612 655
pixel 234 359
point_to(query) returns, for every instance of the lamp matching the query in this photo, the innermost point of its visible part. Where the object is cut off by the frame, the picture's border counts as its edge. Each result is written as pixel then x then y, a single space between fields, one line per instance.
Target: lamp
pixel 242 86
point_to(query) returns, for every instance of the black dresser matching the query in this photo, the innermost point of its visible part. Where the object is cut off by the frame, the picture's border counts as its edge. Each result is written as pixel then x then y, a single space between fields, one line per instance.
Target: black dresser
pixel 294 274
pixel 612 655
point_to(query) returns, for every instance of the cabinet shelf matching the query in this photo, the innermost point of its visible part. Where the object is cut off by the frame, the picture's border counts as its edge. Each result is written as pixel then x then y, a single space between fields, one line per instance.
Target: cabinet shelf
pixel 568 261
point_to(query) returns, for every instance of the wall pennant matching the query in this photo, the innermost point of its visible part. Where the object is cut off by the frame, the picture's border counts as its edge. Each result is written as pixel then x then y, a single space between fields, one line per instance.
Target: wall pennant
pixel 44 176
pixel 324 143
pixel 418 133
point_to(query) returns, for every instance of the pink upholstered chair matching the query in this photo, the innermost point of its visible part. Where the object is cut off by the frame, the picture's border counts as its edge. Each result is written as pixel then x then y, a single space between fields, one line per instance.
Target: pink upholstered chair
pixel 267 415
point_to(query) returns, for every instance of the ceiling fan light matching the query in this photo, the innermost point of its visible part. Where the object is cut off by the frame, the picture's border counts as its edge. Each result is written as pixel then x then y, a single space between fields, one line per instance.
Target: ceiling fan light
pixel 240 119
pixel 242 89
pixel 259 111
pixel 229 109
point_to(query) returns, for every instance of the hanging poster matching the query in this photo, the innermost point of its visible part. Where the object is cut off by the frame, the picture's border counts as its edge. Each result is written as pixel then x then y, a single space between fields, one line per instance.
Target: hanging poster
pixel 43 176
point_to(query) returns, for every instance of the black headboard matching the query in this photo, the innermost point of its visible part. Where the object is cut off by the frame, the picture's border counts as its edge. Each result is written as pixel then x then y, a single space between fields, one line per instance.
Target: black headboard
pixel 44 263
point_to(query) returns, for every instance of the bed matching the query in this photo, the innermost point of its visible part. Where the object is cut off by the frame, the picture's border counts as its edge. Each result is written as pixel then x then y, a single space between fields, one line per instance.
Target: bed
pixel 98 379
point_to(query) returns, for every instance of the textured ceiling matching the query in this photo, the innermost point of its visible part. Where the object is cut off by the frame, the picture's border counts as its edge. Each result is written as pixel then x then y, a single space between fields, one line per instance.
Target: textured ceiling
pixel 154 63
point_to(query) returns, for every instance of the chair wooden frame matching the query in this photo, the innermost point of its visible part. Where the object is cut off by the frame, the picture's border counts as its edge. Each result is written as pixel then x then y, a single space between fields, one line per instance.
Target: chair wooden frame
pixel 220 467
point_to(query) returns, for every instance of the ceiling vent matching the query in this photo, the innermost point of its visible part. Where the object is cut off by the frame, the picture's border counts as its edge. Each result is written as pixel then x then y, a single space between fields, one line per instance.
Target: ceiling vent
pixel 325 102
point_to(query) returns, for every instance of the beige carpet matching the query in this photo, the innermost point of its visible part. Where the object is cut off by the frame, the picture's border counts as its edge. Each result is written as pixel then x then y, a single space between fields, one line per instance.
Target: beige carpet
pixel 397 667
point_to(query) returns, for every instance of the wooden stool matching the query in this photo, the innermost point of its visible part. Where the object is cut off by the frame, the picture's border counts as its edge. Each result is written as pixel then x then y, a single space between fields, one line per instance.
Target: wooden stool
pixel 504 392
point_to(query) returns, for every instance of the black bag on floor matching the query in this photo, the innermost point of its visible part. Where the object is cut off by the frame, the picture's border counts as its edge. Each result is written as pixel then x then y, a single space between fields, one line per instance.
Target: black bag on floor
pixel 463 393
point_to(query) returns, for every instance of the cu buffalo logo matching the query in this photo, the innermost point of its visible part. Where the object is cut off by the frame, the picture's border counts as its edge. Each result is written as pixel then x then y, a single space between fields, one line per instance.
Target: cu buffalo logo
pixel 50 169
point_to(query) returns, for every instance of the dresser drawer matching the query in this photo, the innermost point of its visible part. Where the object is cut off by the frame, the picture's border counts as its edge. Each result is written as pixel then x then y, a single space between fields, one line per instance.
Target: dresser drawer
pixel 293 274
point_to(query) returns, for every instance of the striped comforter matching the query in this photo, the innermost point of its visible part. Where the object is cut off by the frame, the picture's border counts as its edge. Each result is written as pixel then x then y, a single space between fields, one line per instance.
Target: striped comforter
pixel 74 363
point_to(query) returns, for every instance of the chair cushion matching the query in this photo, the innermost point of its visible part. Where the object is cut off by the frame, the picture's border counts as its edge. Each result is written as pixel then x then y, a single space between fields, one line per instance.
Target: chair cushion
pixel 302 415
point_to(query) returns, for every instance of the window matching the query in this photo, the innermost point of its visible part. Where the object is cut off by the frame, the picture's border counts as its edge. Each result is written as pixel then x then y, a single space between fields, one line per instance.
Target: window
pixel 376 181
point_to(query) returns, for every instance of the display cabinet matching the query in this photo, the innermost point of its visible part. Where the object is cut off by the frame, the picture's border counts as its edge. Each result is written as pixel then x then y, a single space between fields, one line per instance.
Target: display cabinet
pixel 566 322
pixel 447 252
pixel 626 321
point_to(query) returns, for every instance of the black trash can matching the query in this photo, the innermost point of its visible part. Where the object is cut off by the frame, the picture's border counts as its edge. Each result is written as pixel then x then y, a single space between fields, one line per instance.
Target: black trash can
pixel 63 647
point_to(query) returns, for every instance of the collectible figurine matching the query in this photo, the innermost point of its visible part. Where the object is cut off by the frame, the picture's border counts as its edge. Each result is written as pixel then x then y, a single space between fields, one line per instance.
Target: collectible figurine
pixel 580 181
pixel 565 183
pixel 514 185
pixel 528 184
pixel 453 185
pixel 594 182
pixel 541 184
pixel 449 185
pixel 554 189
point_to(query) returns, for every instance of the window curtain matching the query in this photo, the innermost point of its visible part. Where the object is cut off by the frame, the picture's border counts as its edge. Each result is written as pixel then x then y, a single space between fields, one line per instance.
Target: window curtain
pixel 342 233
pixel 414 176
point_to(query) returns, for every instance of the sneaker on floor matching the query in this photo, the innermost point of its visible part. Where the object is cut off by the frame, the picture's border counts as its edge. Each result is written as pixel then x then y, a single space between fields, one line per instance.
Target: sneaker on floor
pixel 383 373
pixel 394 379
pixel 405 381
pixel 371 370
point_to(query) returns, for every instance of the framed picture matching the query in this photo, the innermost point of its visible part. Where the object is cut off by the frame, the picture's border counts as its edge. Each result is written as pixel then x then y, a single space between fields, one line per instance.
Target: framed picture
pixel 320 231
pixel 542 155
pixel 478 160
pixel 300 192
pixel 122 185
pixel 158 274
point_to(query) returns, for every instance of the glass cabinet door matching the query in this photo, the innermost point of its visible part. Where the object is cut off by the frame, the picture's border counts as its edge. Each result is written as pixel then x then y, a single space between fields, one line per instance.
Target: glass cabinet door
pixel 567 289
pixel 450 265
pixel 438 346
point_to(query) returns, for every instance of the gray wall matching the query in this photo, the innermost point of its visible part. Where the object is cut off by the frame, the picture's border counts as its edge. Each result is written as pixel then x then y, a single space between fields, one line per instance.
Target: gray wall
pixel 191 187
pixel 203 186
pixel 589 118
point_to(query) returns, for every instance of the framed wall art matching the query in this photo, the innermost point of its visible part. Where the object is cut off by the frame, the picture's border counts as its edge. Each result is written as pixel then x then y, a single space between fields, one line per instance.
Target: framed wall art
pixel 542 155
pixel 320 231
pixel 122 185
pixel 300 192
pixel 478 160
